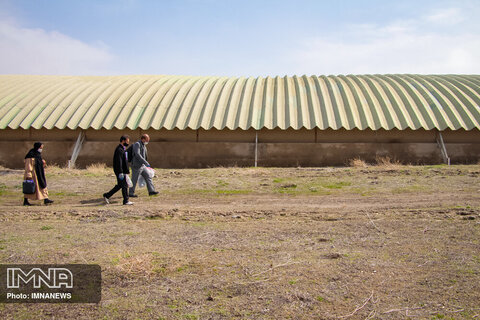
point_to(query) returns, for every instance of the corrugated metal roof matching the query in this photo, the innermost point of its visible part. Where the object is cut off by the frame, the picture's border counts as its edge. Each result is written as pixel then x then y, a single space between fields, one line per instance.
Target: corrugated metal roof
pixel 363 101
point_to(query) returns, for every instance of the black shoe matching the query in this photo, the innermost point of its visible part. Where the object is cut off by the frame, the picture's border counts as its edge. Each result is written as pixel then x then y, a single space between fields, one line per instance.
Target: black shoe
pixel 132 196
pixel 153 193
pixel 26 203
pixel 47 201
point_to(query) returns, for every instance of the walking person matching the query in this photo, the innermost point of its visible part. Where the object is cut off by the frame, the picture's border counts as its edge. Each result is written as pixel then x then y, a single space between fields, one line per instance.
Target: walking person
pixel 35 170
pixel 140 164
pixel 120 167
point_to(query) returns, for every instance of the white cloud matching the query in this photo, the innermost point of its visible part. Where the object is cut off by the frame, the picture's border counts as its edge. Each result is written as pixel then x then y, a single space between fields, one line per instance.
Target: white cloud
pixel 447 16
pixel 410 46
pixel 36 51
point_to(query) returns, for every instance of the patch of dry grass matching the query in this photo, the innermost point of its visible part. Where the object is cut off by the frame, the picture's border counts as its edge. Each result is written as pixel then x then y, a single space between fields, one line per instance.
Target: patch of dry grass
pixel 357 163
pixel 54 168
pixel 98 169
pixel 388 163
pixel 131 266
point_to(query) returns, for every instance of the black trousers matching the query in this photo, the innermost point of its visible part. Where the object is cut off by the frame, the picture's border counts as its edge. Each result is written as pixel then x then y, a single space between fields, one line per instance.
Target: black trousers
pixel 121 184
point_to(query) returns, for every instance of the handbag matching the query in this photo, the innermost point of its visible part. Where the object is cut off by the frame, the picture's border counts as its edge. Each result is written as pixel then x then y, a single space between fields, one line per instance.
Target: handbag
pixel 28 187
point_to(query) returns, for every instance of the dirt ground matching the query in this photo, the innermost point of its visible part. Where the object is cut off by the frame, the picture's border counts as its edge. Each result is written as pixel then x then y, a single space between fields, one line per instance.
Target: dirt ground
pixel 376 242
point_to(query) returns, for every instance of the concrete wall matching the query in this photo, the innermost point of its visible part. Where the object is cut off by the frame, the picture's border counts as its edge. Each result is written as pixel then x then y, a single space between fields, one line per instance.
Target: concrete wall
pixel 264 135
pixel 203 148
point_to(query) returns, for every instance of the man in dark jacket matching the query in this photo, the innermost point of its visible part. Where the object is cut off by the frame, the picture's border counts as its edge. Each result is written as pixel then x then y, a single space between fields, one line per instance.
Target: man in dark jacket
pixel 120 167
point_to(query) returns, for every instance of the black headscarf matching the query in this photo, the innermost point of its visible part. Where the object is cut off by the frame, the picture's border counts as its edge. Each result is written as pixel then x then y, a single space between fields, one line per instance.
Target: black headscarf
pixel 39 170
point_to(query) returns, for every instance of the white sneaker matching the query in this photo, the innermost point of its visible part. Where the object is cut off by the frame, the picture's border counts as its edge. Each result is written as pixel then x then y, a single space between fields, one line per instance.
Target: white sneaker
pixel 129 203
pixel 106 200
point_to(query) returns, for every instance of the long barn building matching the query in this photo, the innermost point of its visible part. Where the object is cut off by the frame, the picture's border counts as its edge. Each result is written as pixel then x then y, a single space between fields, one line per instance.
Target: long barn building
pixel 211 121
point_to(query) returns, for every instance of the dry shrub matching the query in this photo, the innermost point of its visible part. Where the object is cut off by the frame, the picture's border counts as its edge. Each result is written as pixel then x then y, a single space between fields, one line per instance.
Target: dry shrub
pixel 97 169
pixel 387 162
pixel 357 163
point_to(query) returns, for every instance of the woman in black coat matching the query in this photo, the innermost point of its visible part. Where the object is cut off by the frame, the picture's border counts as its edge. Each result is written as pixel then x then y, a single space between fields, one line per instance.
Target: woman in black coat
pixel 35 170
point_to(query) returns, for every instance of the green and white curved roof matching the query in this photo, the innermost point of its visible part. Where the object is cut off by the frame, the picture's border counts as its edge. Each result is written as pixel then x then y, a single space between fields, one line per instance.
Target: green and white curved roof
pixel 353 101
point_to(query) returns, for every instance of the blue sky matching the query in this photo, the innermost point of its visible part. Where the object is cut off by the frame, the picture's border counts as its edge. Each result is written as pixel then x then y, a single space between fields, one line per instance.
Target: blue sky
pixel 239 38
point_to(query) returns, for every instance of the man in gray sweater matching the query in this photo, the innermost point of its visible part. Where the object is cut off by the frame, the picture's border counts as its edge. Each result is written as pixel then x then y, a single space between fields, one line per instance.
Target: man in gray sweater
pixel 140 164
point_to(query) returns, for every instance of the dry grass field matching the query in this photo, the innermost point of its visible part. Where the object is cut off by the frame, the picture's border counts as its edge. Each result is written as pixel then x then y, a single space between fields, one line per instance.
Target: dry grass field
pixel 362 242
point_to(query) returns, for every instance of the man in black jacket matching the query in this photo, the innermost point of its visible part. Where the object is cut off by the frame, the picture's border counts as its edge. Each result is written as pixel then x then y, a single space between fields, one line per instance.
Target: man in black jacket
pixel 120 167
